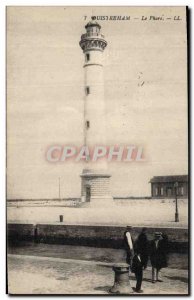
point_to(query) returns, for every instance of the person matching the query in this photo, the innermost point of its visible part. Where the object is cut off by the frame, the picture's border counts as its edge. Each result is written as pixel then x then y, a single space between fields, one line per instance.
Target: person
pixel 137 268
pixel 158 255
pixel 140 259
pixel 128 244
pixel 164 250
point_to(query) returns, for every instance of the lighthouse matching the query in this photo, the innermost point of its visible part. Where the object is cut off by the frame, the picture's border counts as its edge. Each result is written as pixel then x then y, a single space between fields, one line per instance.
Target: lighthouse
pixel 95 178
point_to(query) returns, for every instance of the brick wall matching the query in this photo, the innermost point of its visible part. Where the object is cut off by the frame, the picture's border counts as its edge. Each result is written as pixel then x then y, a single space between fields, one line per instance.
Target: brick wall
pixel 20 232
pixel 99 185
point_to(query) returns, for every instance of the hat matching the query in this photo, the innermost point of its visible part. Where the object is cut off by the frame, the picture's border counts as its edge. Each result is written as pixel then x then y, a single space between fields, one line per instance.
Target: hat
pixel 144 229
pixel 129 227
pixel 158 233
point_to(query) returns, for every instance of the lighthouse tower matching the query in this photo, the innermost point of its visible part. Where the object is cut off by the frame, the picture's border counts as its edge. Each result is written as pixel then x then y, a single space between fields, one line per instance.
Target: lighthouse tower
pixel 95 177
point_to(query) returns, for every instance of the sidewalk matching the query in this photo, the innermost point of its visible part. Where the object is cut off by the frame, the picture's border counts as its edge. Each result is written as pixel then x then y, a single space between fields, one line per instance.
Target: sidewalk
pixel 51 275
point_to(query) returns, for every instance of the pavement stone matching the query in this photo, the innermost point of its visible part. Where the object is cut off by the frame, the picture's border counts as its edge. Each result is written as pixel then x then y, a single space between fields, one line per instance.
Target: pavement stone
pixel 50 275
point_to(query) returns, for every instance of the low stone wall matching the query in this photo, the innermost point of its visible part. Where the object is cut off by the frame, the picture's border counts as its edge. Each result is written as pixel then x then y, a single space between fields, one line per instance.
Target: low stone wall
pixel 98 236
pixel 20 232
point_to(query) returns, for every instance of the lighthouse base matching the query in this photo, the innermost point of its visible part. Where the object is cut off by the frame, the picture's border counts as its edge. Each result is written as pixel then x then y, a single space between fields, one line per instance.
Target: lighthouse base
pixel 96 189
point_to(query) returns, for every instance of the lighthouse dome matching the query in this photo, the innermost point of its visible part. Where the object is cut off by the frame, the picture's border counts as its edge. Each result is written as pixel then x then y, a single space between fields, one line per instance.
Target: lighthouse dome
pixel 93 39
pixel 92 23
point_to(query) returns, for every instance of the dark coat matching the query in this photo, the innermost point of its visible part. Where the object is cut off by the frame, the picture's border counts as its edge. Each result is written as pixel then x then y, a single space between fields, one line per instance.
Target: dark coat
pixel 158 256
pixel 142 248
pixel 136 265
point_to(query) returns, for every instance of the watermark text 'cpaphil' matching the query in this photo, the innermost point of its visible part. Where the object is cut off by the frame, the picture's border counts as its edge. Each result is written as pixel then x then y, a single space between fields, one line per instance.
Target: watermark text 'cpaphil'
pixel 61 153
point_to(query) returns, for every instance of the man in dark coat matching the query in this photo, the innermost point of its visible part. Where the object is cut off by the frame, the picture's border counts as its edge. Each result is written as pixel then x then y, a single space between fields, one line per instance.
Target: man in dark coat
pixel 140 258
pixel 158 255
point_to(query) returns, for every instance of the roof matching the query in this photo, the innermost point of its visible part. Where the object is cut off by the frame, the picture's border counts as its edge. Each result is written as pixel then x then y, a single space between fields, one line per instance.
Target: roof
pixel 175 178
pixel 92 23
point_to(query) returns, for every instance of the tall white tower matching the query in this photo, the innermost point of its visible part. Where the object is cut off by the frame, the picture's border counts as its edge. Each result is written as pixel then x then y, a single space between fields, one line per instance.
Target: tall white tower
pixel 95 177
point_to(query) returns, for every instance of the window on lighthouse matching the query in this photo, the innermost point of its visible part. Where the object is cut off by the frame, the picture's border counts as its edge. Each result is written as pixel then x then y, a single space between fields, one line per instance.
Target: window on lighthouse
pixel 87 124
pixel 87 90
pixel 87 57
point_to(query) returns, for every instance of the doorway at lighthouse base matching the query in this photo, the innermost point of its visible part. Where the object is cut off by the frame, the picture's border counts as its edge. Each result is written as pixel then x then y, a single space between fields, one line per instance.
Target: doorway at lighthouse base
pixel 95 189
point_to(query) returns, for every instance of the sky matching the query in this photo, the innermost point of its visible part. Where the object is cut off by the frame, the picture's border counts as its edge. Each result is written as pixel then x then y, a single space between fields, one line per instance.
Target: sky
pixel 45 96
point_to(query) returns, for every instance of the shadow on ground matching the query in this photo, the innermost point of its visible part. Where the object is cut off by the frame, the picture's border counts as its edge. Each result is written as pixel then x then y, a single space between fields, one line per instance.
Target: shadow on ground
pixel 62 278
pixel 103 288
pixel 183 279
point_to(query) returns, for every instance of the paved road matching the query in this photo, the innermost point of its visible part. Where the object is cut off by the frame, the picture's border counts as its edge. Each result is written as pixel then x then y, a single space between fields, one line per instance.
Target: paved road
pixel 49 275
pixel 176 260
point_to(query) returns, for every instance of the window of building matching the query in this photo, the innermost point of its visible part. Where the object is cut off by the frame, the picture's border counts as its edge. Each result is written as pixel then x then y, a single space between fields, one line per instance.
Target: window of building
pixel 87 124
pixel 87 90
pixel 169 191
pixel 181 191
pixel 156 191
pixel 160 191
pixel 87 57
